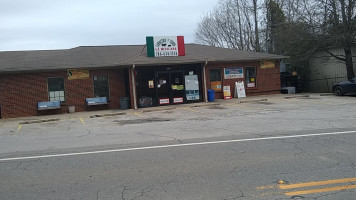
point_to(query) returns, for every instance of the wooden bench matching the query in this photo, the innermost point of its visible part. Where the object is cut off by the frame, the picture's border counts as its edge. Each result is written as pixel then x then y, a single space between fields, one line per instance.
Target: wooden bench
pixel 48 105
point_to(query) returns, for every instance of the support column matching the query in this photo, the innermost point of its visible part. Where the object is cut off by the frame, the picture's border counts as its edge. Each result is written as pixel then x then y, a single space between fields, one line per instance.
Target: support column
pixel 133 92
pixel 204 82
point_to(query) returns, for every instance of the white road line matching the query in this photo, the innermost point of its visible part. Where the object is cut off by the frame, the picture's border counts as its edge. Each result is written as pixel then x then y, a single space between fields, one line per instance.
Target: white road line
pixel 173 145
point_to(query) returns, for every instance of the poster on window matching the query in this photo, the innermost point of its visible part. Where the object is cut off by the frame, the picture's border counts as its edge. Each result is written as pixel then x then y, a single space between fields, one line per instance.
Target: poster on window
pixel 251 85
pixel 240 90
pixel 215 85
pixel 233 72
pixel 151 84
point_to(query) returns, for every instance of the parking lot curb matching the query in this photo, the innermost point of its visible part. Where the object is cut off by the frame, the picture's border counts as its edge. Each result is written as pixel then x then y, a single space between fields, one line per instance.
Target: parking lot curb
pixel 327 94
pixel 296 96
pixel 39 121
pixel 205 104
pixel 252 100
pixel 107 115
pixel 158 109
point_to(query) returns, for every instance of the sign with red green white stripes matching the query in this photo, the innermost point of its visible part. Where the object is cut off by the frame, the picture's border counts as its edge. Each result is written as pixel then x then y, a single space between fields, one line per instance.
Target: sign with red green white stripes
pixel 165 46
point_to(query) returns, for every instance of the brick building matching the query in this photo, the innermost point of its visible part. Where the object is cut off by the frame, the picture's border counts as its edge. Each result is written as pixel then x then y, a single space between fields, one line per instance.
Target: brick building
pixel 73 75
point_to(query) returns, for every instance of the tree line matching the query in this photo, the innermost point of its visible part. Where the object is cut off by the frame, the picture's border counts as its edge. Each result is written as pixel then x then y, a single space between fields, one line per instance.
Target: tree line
pixel 297 28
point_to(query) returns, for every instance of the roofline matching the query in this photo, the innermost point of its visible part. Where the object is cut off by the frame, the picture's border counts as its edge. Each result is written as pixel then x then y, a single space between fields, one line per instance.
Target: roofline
pixel 127 65
pixel 64 69
pixel 206 60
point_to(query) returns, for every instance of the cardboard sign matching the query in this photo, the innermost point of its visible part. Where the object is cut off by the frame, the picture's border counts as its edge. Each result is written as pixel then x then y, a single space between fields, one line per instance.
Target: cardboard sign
pixel 240 89
pixel 227 92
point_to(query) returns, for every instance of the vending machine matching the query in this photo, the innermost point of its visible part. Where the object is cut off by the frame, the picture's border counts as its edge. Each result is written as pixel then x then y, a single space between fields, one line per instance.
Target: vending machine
pixel 192 87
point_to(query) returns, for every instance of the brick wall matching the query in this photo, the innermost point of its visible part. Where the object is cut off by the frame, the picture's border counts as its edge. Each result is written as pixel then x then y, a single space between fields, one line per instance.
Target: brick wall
pixel 267 80
pixel 20 92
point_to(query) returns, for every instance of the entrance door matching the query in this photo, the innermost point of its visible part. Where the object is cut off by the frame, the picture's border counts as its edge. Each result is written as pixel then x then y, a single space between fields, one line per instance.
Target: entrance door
pixel 177 87
pixel 170 87
pixel 163 88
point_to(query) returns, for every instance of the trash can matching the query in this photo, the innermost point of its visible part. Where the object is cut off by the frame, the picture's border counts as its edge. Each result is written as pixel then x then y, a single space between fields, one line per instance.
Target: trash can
pixel 124 103
pixel 211 95
pixel 71 109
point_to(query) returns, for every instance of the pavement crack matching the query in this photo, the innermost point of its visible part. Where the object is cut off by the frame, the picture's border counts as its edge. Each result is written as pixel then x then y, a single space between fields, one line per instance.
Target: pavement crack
pixel 89 133
pixel 69 125
pixel 149 188
pixel 164 189
pixel 237 197
pixel 97 195
pixel 299 149
pixel 23 165
pixel 162 136
pixel 123 193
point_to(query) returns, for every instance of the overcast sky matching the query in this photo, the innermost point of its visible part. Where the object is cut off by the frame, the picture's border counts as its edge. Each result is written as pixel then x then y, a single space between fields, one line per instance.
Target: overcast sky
pixel 61 24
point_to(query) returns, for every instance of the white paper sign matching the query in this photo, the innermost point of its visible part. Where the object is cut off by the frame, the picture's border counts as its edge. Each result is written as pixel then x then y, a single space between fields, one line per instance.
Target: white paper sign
pixel 240 89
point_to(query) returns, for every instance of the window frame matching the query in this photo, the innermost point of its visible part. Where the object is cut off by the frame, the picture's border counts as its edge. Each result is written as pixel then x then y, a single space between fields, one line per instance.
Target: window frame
pixel 108 85
pixel 49 90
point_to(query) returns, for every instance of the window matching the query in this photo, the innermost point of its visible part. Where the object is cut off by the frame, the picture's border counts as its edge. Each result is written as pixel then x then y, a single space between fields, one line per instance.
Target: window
pixel 56 89
pixel 101 86
pixel 215 79
pixel 250 77
pixel 215 75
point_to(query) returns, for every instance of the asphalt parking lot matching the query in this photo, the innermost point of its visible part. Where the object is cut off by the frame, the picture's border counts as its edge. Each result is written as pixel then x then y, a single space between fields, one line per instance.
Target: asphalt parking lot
pixel 265 147
pixel 268 115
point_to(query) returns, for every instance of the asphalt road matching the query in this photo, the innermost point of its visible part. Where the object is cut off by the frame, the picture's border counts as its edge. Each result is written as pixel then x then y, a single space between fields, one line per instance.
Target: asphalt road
pixel 233 170
pixel 212 153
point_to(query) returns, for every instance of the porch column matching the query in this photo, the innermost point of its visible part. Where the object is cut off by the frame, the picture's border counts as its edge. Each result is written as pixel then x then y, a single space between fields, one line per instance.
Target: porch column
pixel 133 93
pixel 204 82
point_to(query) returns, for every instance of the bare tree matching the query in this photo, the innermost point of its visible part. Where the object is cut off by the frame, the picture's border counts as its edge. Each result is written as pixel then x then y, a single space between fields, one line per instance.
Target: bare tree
pixel 233 24
pixel 292 27
pixel 340 29
pixel 257 39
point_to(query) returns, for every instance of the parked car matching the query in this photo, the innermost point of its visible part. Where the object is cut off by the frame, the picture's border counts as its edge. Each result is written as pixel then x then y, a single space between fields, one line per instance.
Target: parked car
pixel 345 87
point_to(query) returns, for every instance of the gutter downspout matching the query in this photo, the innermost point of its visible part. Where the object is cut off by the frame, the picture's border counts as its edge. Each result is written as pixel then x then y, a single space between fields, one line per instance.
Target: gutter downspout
pixel 134 86
pixel 204 82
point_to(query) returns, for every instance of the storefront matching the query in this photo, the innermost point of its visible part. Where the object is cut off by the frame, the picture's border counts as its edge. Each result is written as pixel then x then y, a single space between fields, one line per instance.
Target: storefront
pixel 165 71
pixel 256 77
pixel 167 85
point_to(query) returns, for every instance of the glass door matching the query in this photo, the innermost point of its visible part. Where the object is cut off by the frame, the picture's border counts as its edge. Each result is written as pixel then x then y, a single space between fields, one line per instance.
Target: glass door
pixel 177 87
pixel 170 87
pixel 163 88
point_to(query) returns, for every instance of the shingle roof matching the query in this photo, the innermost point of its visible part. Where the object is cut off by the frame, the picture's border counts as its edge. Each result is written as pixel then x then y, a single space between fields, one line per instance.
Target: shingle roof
pixel 118 56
